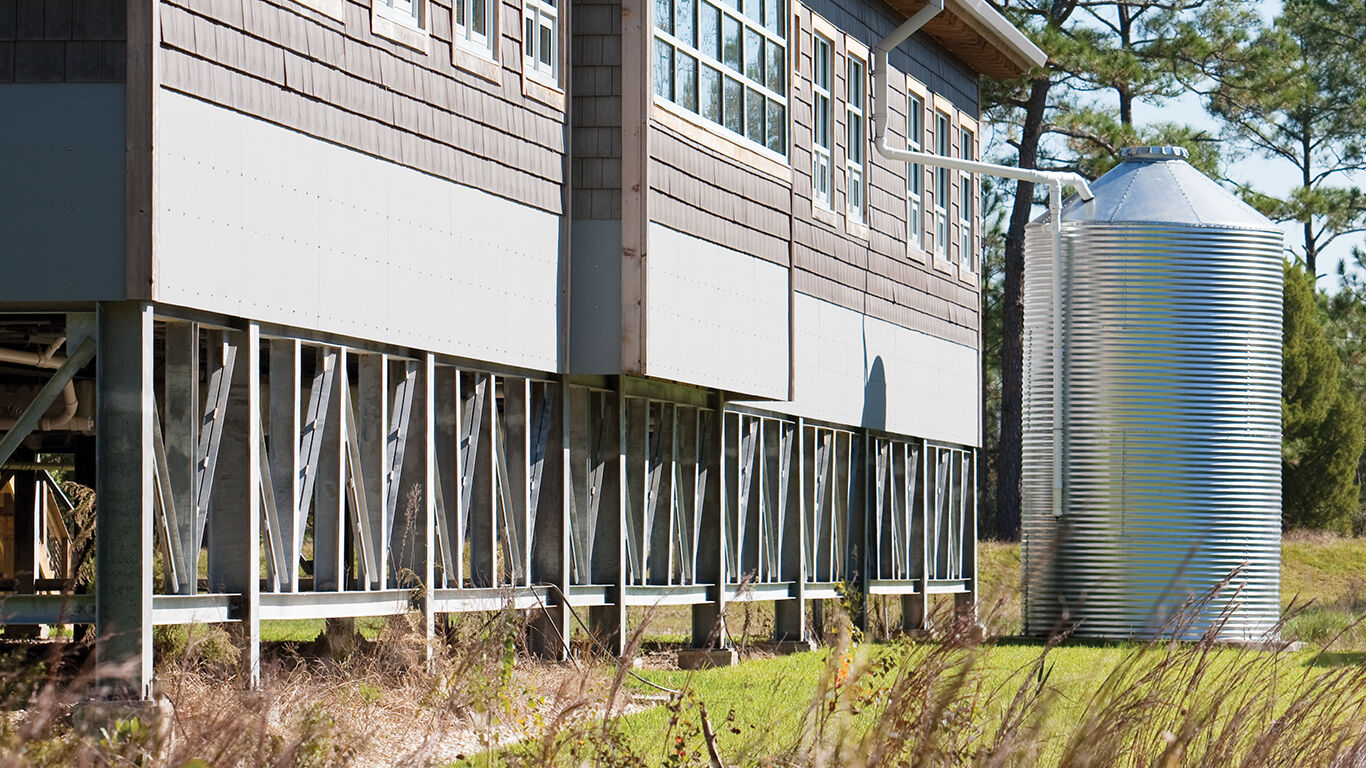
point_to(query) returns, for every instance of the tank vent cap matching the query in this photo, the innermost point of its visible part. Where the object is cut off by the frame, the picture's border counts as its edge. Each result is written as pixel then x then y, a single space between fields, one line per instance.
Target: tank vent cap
pixel 1154 153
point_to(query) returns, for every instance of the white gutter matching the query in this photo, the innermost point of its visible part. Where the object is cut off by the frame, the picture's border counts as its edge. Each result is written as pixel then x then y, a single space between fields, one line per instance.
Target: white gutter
pixel 1055 180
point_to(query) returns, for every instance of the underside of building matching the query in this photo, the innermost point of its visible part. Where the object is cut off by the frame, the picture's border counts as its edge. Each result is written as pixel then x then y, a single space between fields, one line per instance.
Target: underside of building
pixel 270 356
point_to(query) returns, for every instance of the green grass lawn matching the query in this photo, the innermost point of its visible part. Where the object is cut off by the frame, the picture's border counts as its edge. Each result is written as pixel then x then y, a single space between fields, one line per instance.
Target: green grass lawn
pixel 765 707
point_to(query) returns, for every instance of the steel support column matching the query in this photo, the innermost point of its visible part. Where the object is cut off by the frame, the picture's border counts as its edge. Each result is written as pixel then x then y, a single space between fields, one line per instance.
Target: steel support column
pixel 123 543
pixel 550 625
pixel 709 619
pixel 413 532
pixel 234 524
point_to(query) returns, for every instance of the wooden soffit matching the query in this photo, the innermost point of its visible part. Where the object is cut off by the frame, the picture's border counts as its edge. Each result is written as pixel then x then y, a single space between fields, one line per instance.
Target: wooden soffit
pixel 978 35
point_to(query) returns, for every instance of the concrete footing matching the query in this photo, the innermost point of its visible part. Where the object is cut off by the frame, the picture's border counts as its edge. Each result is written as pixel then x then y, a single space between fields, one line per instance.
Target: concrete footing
pixel 706 658
pixel 787 647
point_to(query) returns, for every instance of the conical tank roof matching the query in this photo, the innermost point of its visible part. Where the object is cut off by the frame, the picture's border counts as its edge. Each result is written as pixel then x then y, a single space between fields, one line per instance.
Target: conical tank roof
pixel 1157 185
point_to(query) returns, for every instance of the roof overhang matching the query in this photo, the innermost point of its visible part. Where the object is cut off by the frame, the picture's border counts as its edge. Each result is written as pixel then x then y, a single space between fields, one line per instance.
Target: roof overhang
pixel 978 34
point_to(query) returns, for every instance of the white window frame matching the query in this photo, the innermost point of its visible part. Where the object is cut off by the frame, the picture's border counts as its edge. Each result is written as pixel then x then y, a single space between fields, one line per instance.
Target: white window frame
pixel 679 49
pixel 402 21
pixel 822 106
pixel 967 203
pixel 538 17
pixel 467 38
pixel 855 136
pixel 943 182
pixel 410 12
pixel 916 99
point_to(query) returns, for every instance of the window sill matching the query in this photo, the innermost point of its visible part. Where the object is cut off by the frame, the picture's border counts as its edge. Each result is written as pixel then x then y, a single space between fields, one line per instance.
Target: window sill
pixel 480 64
pixel 702 131
pixel 820 213
pixel 401 32
pixel 966 275
pixel 855 227
pixel 334 9
pixel 533 87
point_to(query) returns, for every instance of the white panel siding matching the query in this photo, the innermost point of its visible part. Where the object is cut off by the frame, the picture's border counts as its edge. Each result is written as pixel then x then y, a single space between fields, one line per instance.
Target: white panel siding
pixel 715 317
pixel 264 222
pixel 927 387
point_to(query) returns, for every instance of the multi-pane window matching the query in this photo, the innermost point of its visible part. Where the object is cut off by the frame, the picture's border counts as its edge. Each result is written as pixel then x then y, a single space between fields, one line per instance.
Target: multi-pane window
pixel 942 147
pixel 727 62
pixel 915 173
pixel 822 172
pixel 967 209
pixel 406 11
pixel 475 22
pixel 853 122
pixel 541 38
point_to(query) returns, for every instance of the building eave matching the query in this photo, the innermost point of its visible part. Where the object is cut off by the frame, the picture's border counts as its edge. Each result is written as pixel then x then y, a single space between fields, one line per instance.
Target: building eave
pixel 980 36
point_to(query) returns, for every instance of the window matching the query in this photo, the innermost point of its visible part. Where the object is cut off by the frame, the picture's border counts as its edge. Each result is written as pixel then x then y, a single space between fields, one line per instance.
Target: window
pixel 967 210
pixel 726 62
pixel 942 142
pixel 475 22
pixel 540 38
pixel 405 11
pixel 915 173
pixel 854 91
pixel 822 173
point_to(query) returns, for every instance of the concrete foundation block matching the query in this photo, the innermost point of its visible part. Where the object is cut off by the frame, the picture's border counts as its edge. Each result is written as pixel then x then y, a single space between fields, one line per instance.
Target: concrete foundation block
pixel 706 658
pixel 787 647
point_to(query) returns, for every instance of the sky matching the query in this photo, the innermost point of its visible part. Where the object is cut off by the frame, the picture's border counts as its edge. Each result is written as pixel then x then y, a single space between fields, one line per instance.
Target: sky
pixel 1265 175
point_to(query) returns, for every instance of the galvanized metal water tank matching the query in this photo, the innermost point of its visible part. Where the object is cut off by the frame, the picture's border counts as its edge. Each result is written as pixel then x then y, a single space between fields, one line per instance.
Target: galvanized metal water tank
pixel 1169 408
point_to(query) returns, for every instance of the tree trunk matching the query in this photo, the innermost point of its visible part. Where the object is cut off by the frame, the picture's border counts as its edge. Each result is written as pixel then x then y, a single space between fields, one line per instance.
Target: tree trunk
pixel 1012 331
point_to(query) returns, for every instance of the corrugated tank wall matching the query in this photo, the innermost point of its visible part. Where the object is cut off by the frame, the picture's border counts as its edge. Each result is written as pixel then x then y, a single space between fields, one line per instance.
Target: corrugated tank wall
pixel 1170 410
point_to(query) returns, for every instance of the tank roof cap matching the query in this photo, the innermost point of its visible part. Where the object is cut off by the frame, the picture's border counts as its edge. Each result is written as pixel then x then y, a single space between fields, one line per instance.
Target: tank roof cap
pixel 1154 153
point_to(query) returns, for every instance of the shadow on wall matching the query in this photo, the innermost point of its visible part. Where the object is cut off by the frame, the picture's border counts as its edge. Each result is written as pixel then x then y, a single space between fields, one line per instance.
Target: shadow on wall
pixel 875 397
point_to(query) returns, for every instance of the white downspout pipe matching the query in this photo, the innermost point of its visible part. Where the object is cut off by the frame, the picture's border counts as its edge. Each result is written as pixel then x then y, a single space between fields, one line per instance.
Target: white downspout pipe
pixel 1055 180
pixel 49 360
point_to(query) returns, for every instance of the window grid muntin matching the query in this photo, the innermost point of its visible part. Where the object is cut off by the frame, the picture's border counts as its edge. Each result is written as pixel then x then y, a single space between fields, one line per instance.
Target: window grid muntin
pixel 822 170
pixel 476 31
pixel 727 66
pixel 915 173
pixel 541 38
pixel 967 210
pixel 943 148
pixel 855 92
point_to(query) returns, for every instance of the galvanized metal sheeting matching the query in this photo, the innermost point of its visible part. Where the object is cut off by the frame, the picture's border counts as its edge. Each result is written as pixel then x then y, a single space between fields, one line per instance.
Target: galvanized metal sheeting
pixel 1170 441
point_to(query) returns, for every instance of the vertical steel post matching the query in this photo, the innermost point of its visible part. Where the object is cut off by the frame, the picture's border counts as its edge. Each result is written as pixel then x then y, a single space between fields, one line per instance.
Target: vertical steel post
pixel 284 454
pixel 123 525
pixel 181 430
pixel 708 619
pixel 609 548
pixel 372 413
pixel 789 616
pixel 413 532
pixel 329 492
pixel 234 524
pixel 550 628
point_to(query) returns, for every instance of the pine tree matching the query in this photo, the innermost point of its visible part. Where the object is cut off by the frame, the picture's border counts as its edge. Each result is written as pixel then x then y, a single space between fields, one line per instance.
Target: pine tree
pixel 1297 96
pixel 1320 419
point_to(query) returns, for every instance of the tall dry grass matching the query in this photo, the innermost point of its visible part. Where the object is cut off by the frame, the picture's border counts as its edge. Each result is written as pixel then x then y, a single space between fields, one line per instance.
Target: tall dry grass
pixel 934 701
